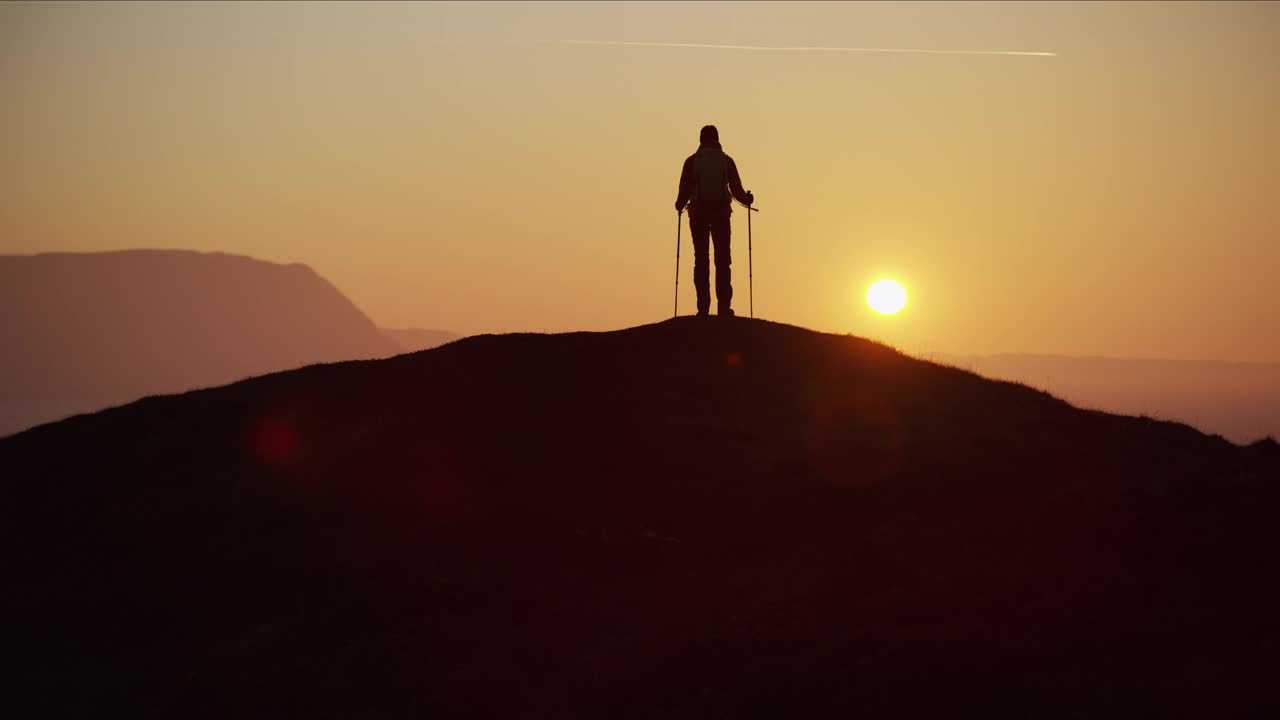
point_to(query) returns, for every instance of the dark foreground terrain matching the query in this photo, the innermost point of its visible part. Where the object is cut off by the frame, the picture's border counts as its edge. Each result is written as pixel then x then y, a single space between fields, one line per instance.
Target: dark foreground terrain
pixel 1238 400
pixel 694 519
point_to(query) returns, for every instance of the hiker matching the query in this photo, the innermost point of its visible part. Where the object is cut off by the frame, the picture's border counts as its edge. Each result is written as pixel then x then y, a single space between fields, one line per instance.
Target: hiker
pixel 708 178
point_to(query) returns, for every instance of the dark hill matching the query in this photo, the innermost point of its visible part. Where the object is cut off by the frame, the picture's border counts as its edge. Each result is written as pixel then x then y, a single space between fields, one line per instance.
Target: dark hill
pixel 1240 401
pixel 84 331
pixel 693 519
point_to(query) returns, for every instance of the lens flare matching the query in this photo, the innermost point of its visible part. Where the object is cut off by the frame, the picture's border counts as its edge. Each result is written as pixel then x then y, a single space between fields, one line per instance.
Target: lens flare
pixel 887 297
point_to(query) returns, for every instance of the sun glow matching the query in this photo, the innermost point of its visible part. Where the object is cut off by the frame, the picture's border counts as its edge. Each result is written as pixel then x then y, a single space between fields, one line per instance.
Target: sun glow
pixel 887 297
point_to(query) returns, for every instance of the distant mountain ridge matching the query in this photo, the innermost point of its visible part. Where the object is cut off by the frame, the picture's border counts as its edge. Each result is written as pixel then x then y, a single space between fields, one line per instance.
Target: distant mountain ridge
pixel 83 331
pixel 1238 400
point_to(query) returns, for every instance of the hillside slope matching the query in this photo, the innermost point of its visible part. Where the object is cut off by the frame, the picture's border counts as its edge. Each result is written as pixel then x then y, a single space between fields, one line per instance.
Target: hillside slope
pixel 79 332
pixel 690 519
pixel 1240 401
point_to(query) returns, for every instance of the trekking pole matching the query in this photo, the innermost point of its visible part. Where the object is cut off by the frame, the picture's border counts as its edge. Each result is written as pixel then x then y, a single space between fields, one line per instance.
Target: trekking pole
pixel 675 310
pixel 751 281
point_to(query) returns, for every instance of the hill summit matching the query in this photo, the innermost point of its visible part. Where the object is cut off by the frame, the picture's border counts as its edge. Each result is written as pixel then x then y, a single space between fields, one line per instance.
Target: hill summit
pixel 697 518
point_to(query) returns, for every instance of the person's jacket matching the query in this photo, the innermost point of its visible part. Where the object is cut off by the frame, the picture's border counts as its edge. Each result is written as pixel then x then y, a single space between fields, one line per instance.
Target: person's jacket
pixel 708 178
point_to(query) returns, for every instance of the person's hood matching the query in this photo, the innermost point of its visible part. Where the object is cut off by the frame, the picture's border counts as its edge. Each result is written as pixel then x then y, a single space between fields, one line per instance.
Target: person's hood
pixel 714 145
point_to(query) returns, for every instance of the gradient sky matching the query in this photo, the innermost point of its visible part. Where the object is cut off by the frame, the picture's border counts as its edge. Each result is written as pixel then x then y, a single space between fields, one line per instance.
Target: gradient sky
pixel 451 165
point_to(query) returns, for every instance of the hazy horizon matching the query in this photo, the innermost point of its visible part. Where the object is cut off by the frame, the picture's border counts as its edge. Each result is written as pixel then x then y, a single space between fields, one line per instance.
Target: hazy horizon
pixel 84 331
pixel 462 166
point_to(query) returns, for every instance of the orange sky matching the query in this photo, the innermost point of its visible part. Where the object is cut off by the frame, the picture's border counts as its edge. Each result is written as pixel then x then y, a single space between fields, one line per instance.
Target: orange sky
pixel 447 166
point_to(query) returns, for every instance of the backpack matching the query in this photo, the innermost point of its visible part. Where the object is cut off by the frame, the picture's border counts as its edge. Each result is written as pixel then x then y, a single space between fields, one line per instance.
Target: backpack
pixel 711 173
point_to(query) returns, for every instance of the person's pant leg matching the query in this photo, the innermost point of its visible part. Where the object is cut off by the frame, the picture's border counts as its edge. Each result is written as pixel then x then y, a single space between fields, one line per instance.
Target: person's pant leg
pixel 700 230
pixel 720 231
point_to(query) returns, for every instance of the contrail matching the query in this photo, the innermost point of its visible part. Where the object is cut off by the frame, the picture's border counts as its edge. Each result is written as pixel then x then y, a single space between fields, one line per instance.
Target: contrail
pixel 803 48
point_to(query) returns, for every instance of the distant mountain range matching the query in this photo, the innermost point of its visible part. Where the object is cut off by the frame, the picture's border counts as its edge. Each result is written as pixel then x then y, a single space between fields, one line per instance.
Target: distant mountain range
pixel 1240 401
pixel 694 519
pixel 80 332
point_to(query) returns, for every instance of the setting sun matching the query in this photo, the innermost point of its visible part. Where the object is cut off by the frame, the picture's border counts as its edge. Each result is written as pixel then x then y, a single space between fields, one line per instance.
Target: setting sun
pixel 887 297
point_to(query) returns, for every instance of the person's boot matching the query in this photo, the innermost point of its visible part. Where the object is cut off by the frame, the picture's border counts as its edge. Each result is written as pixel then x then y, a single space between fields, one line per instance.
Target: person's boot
pixel 725 312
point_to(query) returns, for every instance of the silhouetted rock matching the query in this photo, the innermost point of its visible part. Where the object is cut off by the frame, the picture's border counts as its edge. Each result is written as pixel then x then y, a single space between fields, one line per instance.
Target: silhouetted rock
pixel 694 519
pixel 79 332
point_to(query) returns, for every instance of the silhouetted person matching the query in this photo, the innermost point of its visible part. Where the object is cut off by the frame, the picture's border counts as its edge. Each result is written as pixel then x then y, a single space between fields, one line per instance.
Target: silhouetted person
pixel 706 182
